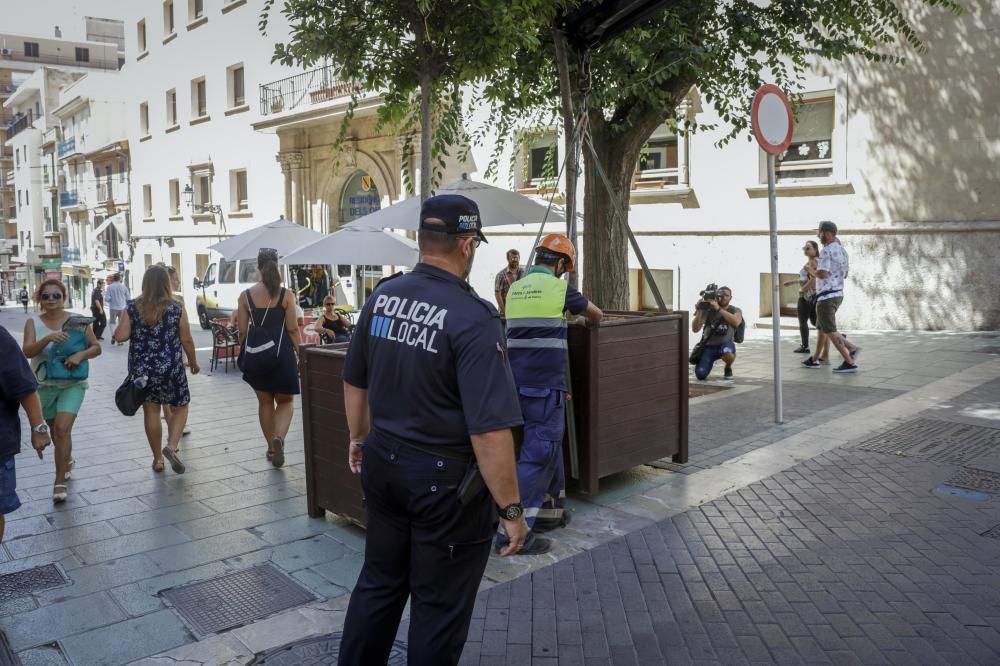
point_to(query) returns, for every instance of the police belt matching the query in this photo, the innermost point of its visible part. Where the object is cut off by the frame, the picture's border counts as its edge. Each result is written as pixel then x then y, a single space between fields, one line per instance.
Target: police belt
pixel 462 453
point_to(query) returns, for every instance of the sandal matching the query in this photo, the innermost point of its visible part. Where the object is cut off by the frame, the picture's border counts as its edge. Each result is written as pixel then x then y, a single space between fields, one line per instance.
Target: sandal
pixel 68 475
pixel 58 497
pixel 278 457
pixel 158 466
pixel 269 454
pixel 175 462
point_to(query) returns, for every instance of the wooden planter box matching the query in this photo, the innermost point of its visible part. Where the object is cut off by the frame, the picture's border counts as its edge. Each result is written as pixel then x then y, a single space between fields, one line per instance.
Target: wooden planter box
pixel 330 485
pixel 630 393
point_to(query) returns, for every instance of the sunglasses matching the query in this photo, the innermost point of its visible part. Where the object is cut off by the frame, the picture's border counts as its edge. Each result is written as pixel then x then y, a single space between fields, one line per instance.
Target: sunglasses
pixel 329 303
pixel 57 296
pixel 476 240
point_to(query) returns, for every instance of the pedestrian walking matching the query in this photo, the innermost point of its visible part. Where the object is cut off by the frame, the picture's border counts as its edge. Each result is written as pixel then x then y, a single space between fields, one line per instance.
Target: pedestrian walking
pixel 23 297
pixel 60 345
pixel 430 402
pixel 806 307
pixel 97 309
pixel 269 335
pixel 18 389
pixel 160 338
pixel 831 272
pixel 536 335
pixel 117 298
pixel 175 288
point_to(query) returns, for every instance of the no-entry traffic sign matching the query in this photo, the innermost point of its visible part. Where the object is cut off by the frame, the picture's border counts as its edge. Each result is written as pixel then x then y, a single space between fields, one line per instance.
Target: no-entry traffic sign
pixel 771 118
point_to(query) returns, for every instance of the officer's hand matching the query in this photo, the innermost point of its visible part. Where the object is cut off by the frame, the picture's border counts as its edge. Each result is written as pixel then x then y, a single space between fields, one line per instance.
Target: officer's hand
pixel 517 532
pixel 40 440
pixel 354 456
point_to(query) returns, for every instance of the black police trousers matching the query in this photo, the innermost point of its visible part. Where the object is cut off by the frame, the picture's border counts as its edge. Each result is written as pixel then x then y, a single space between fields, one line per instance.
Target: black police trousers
pixel 422 544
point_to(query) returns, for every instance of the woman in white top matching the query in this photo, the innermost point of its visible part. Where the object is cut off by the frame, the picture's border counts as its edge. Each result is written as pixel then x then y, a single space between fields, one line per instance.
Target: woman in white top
pixel 807 289
pixel 61 398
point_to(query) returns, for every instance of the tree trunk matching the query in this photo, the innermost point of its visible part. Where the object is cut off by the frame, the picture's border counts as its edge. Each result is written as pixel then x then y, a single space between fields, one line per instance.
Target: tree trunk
pixel 605 216
pixel 566 89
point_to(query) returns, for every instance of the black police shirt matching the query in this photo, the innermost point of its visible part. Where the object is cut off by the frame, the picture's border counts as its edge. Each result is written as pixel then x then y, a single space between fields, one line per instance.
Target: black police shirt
pixel 433 357
pixel 17 382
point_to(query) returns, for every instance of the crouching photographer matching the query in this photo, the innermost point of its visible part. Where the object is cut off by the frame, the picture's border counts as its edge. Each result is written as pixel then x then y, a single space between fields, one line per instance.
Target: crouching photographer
pixel 723 328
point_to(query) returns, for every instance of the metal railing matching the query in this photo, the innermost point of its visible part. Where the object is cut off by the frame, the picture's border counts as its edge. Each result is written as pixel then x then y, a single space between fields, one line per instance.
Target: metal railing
pixel 318 85
pixel 68 198
pixel 44 59
pixel 66 147
pixel 19 124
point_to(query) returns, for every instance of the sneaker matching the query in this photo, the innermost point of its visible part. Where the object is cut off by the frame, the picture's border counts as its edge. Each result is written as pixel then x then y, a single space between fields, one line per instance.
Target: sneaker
pixel 802 350
pixel 845 367
pixel 727 374
pixel 855 354
pixel 543 525
pixel 810 363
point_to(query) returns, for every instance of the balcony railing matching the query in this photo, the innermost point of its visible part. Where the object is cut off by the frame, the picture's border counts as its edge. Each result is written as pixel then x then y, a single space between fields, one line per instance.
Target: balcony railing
pixel 19 124
pixel 66 147
pixel 68 198
pixel 319 85
pixel 95 62
pixel 71 255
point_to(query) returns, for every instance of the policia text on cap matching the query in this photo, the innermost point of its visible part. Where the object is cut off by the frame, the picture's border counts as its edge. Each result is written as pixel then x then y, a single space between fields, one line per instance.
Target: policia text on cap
pixel 429 394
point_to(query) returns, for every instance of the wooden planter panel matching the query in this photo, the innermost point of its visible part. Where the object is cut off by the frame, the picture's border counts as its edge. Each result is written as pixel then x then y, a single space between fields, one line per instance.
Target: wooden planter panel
pixel 630 389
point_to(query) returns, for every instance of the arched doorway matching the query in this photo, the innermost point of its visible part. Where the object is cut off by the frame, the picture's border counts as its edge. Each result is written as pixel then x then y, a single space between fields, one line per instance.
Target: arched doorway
pixel 360 197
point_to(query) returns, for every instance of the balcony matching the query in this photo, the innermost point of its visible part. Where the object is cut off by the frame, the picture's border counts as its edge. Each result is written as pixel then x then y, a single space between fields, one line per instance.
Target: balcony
pixel 19 124
pixel 68 198
pixel 96 62
pixel 67 147
pixel 319 85
pixel 71 255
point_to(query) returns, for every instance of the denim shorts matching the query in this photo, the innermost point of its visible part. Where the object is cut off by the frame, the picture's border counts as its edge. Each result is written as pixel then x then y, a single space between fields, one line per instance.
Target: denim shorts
pixel 9 500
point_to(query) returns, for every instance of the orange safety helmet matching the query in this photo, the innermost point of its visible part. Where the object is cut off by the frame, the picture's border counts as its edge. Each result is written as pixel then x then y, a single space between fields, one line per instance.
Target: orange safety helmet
pixel 559 244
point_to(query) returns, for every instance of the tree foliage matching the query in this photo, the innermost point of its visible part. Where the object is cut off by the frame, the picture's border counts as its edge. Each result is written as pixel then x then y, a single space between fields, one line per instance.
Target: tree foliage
pixel 402 48
pixel 628 87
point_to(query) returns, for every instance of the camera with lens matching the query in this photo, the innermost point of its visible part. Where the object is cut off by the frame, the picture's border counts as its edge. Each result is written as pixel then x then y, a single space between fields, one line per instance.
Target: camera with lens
pixel 710 293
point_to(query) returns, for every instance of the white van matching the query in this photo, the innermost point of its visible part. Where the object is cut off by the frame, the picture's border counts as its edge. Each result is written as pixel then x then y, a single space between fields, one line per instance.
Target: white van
pixel 217 292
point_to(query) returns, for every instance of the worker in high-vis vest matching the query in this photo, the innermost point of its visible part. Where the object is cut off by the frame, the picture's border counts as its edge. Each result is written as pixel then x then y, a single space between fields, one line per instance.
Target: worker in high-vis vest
pixel 536 310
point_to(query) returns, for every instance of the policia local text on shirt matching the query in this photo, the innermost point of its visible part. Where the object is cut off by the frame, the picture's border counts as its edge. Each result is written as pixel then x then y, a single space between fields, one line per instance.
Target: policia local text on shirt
pixel 429 393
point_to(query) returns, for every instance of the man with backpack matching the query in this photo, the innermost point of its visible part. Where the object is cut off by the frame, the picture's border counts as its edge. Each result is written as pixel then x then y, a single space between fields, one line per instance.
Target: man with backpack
pixel 723 328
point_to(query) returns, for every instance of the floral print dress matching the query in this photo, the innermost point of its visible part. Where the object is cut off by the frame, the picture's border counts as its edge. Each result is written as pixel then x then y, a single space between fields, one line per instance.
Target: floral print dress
pixel 155 352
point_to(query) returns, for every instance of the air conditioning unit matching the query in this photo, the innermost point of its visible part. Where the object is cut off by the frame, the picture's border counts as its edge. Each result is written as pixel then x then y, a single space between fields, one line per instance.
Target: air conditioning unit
pixel 6 52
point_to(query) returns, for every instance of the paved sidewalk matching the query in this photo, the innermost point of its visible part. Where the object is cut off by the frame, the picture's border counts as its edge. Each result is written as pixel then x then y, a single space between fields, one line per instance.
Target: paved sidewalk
pixel 126 535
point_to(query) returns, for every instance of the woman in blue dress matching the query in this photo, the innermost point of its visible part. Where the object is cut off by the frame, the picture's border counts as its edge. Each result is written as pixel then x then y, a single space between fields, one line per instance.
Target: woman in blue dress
pixel 270 368
pixel 160 335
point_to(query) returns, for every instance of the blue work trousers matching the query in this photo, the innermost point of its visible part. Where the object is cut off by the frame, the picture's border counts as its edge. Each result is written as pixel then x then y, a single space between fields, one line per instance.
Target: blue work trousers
pixel 423 545
pixel 540 472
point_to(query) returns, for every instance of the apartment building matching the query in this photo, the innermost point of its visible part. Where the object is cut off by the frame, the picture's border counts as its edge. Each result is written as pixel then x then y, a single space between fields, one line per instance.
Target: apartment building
pixel 33 70
pixel 92 175
pixel 199 171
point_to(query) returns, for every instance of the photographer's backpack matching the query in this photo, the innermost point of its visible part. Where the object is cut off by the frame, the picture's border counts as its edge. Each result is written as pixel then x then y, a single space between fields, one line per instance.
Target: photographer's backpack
pixel 740 330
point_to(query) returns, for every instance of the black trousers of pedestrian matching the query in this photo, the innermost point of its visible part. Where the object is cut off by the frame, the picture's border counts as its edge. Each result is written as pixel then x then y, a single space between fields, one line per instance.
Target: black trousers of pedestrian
pixel 100 323
pixel 421 544
pixel 807 313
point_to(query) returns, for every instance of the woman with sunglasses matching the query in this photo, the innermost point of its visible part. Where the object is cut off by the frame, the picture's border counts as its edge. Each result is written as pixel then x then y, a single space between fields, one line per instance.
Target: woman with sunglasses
pixel 807 288
pixel 61 398
pixel 331 324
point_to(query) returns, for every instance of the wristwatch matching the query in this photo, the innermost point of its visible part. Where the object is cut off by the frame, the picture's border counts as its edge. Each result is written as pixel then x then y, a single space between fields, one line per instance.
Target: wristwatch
pixel 41 428
pixel 511 511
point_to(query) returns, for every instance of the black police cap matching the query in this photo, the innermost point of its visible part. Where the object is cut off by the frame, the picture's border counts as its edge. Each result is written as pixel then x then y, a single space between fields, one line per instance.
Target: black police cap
pixel 459 214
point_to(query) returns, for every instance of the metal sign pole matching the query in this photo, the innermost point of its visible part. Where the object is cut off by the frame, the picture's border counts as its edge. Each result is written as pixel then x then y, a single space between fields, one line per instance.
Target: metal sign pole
pixel 775 288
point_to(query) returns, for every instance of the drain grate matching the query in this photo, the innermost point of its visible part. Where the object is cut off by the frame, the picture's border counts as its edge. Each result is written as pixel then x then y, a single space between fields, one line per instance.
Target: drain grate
pixel 976 479
pixel 940 441
pixel 236 599
pixel 318 652
pixel 29 581
pixel 992 533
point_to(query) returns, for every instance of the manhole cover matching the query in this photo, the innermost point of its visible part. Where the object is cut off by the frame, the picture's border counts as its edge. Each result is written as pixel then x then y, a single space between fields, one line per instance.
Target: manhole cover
pixel 29 581
pixel 976 479
pixel 962 493
pixel 992 533
pixel 317 651
pixel 941 441
pixel 235 599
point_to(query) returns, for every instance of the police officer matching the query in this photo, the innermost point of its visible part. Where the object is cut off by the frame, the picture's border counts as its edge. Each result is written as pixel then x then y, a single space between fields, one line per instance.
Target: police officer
pixel 428 392
pixel 536 336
